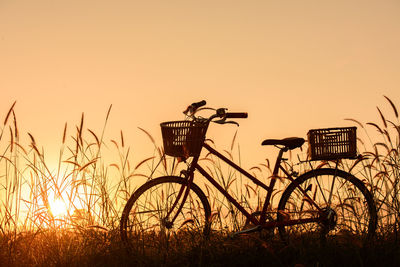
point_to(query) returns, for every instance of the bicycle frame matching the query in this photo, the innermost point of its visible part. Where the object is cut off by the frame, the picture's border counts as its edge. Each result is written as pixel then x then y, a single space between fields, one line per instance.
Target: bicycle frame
pixel 262 222
pixel 337 196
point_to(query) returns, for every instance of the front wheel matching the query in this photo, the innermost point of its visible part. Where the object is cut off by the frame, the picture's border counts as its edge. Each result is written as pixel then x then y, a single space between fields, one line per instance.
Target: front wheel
pixel 326 204
pixel 148 224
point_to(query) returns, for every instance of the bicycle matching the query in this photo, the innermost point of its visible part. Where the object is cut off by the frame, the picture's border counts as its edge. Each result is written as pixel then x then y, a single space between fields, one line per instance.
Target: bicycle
pixel 322 203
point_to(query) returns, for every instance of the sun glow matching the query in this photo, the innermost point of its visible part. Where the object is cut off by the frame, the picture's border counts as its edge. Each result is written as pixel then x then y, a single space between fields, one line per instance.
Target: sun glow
pixel 58 207
pixel 63 201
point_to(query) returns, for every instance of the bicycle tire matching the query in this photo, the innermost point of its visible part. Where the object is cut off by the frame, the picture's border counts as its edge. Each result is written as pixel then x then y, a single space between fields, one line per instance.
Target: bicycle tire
pixel 352 212
pixel 143 226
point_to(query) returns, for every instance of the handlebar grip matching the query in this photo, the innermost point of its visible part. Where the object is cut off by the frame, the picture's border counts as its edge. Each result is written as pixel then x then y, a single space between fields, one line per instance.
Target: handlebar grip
pixel 201 103
pixel 236 115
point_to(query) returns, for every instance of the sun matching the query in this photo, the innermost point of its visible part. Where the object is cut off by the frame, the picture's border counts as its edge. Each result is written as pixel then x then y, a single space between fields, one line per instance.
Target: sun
pixel 58 208
pixel 62 205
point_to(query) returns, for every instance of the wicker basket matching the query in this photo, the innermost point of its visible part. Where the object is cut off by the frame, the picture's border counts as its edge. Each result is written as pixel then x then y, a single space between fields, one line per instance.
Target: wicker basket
pixel 332 143
pixel 183 138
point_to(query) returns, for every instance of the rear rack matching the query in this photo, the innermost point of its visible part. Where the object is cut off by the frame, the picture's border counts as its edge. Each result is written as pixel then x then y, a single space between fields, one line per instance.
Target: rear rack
pixel 332 143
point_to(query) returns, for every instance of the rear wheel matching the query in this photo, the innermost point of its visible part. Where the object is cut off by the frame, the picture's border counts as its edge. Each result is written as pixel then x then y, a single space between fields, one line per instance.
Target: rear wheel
pixel 147 222
pixel 336 204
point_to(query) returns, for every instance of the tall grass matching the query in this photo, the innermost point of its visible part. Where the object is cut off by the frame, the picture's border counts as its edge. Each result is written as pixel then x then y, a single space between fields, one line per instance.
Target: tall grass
pixel 91 189
pixel 94 186
pixel 94 191
pixel 380 165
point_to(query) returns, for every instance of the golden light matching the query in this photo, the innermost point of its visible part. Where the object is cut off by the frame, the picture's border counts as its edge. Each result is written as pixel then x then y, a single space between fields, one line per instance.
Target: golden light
pixel 58 207
pixel 63 204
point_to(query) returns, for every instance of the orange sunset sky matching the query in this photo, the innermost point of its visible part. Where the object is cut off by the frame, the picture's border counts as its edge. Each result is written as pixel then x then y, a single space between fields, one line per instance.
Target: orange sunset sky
pixel 292 65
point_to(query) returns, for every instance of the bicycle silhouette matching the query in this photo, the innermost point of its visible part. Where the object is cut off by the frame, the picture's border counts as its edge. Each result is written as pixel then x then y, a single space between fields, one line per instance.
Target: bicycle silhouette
pixel 321 203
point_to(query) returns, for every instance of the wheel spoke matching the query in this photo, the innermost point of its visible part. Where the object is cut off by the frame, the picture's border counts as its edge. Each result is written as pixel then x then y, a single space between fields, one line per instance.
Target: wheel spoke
pixel 147 216
pixel 318 181
pixel 345 206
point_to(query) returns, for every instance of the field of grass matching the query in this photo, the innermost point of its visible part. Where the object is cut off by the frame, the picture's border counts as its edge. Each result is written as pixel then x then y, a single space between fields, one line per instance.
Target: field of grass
pixel 99 248
pixel 69 216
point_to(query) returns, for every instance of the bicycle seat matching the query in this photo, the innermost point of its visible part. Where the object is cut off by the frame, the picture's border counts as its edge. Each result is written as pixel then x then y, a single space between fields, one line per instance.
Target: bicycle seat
pixel 290 142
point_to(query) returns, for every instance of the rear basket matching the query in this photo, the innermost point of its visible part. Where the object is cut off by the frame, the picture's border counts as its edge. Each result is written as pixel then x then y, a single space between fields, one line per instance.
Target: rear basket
pixel 332 143
pixel 183 138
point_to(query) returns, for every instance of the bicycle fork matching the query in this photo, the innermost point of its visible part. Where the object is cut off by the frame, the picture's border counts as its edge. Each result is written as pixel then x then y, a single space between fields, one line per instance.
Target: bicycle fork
pixel 184 190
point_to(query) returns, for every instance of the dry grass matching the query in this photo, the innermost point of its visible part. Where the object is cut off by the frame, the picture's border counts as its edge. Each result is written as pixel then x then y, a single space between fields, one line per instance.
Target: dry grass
pixel 98 248
pixel 30 234
pixel 380 167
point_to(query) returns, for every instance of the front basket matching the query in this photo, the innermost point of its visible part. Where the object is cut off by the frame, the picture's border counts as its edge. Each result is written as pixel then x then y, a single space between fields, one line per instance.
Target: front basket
pixel 183 138
pixel 332 143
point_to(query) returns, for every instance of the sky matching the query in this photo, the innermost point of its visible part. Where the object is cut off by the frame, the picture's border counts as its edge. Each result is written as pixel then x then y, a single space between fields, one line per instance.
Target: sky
pixel 292 65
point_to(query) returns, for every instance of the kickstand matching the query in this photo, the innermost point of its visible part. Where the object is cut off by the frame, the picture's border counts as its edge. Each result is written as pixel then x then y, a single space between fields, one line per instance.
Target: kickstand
pixel 246 231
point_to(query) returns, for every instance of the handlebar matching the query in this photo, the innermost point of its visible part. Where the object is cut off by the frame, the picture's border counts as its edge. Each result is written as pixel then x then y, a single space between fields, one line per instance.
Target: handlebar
pixel 219 113
pixel 201 103
pixel 236 115
pixel 191 109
